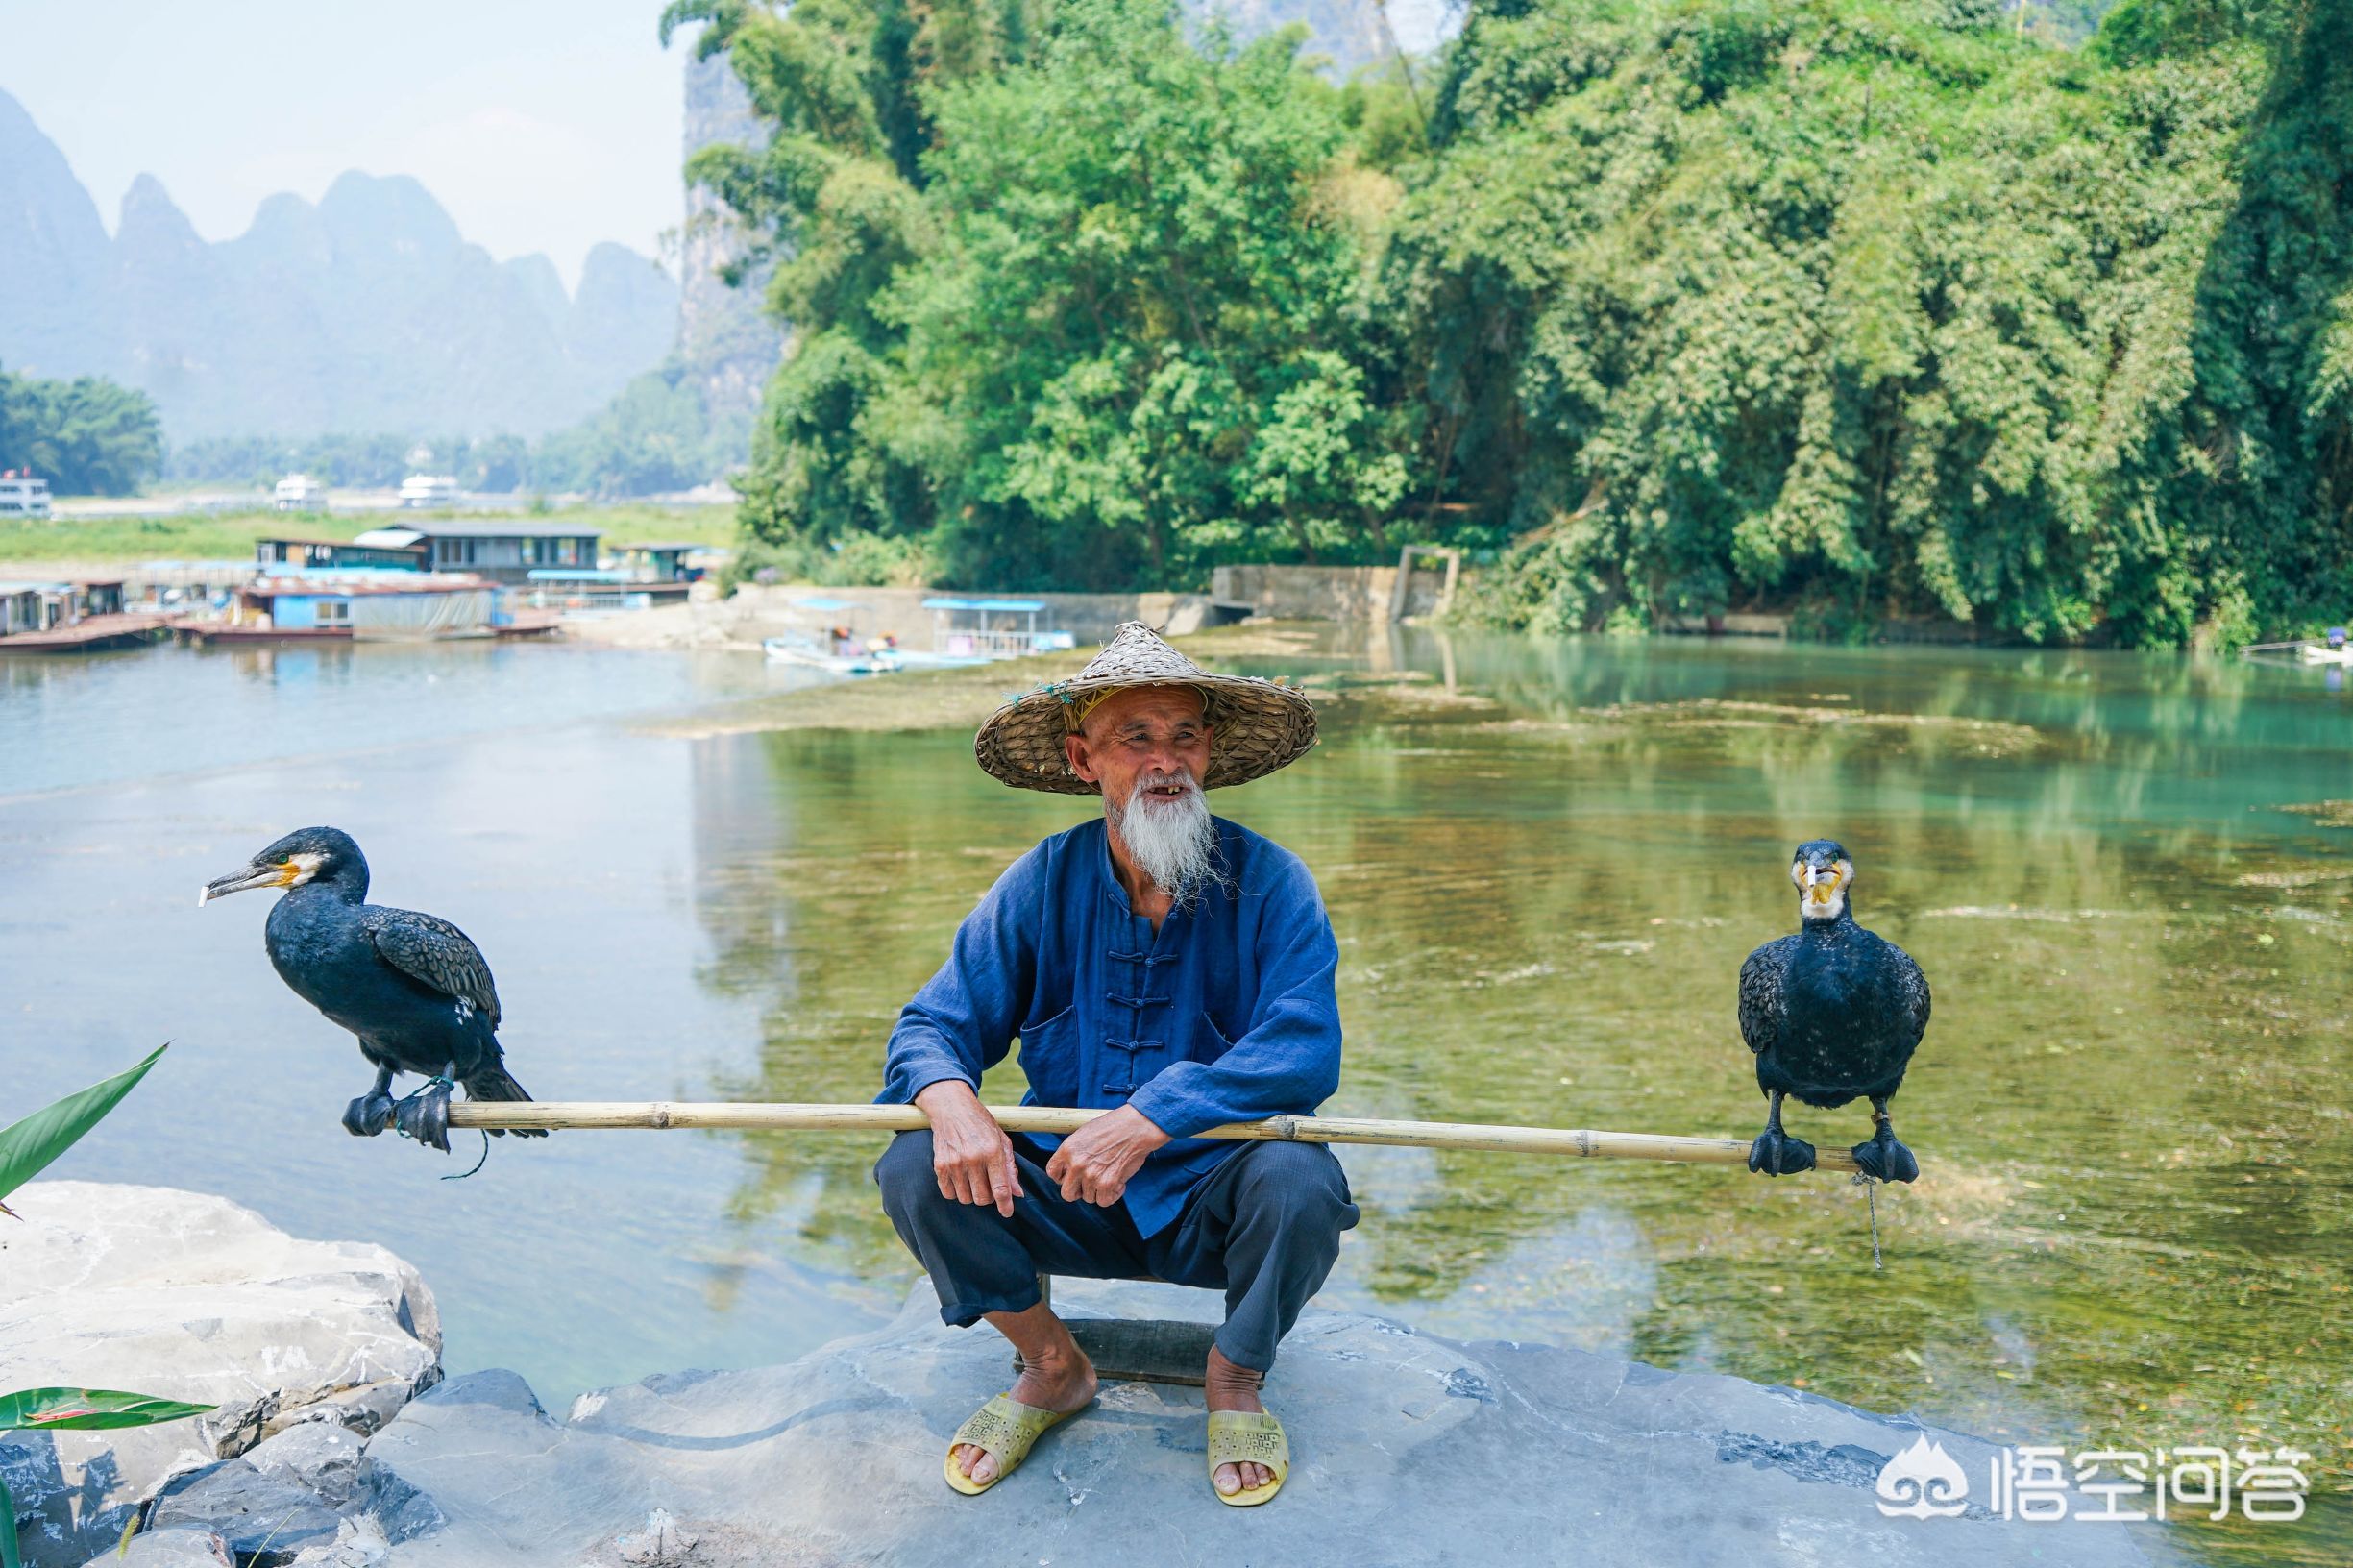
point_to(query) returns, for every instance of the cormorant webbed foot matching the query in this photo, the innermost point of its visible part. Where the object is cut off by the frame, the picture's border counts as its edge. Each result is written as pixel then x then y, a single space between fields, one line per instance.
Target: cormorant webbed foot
pixel 424 1114
pixel 1884 1158
pixel 1776 1153
pixel 369 1115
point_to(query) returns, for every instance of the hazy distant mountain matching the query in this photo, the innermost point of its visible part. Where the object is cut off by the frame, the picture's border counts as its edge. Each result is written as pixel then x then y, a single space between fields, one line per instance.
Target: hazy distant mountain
pixel 366 313
pixel 53 255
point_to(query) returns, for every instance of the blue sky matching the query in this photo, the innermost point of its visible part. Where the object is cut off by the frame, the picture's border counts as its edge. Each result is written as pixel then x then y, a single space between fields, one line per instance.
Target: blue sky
pixel 541 125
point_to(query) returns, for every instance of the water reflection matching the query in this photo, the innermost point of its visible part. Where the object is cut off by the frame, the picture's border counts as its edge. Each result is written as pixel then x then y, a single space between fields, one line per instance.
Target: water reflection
pixel 1545 864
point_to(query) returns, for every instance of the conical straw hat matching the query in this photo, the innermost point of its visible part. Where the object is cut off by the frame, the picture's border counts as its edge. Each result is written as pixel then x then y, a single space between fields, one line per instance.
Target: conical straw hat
pixel 1255 726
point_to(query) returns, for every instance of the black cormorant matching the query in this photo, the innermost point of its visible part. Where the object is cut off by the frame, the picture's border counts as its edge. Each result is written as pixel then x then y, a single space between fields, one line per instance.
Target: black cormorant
pixel 413 987
pixel 1831 1013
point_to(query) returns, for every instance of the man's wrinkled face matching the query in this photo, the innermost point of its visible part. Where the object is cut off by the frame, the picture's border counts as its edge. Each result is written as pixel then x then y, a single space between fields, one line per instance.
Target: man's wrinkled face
pixel 1155 736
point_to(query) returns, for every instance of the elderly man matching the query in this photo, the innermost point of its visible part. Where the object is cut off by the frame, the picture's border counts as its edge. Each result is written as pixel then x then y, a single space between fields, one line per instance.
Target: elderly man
pixel 1171 968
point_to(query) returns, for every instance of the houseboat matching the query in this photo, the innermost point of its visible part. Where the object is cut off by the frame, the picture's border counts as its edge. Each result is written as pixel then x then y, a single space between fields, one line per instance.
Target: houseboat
pixel 275 556
pixel 425 490
pixel 363 603
pixel 670 562
pixel 21 494
pixel 578 589
pixel 80 617
pixel 299 493
pixel 500 551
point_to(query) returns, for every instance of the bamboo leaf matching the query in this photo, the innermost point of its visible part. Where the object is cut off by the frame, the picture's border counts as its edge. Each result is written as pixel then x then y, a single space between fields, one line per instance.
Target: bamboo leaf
pixel 27 1147
pixel 88 1409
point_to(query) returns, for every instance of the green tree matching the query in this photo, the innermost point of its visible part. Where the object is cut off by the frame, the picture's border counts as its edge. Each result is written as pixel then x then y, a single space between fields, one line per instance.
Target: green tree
pixel 1129 351
pixel 1861 308
pixel 1089 316
pixel 655 435
pixel 85 437
pixel 1841 306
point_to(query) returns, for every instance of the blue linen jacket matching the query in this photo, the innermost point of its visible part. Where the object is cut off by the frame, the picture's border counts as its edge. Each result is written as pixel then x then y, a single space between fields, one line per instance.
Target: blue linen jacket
pixel 1226 1014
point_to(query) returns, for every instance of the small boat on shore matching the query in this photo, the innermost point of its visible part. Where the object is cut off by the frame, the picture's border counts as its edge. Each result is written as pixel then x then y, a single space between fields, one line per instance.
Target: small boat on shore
pixel 909 658
pixel 792 649
pixel 833 641
pixel 2333 650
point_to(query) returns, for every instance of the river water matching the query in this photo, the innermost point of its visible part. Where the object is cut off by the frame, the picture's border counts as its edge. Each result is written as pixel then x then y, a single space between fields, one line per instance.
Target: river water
pixel 1545 863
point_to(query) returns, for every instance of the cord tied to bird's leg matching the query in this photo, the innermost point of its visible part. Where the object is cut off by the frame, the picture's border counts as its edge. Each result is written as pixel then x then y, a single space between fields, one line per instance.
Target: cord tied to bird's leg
pixel 1871 1199
pixel 423 1112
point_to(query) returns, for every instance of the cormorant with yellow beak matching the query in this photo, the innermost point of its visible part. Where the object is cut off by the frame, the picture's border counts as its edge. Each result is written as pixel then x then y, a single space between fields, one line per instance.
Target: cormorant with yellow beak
pixel 413 988
pixel 1832 1013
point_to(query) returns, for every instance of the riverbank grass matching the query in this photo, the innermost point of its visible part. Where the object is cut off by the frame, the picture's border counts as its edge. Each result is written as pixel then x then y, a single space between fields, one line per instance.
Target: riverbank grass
pixel 206 536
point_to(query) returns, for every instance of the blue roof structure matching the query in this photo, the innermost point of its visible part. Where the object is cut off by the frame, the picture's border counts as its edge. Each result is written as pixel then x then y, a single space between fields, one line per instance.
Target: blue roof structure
pixel 1015 606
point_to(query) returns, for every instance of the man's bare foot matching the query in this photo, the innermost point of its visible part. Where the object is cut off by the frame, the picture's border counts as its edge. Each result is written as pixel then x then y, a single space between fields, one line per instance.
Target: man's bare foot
pixel 1055 1376
pixel 1230 1387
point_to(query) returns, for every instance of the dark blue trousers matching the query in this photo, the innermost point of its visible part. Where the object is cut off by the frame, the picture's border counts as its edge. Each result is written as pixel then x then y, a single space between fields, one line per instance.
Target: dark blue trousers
pixel 1263 1227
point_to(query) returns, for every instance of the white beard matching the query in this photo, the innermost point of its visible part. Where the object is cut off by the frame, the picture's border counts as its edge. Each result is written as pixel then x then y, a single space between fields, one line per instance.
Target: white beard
pixel 1174 842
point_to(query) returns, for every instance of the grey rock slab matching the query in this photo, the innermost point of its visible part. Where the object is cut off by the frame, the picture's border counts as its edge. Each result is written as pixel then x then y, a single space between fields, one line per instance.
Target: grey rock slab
pixel 193 1297
pixel 265 1520
pixel 1407 1449
pixel 320 1457
pixel 358 1543
pixel 181 1546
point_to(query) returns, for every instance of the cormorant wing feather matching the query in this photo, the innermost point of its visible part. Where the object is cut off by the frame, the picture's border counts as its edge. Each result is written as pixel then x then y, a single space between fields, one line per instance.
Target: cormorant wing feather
pixel 1915 987
pixel 1761 993
pixel 430 948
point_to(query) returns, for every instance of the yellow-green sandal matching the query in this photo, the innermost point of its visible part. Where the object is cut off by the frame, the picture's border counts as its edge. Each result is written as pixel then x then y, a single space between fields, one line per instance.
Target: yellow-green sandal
pixel 1245 1437
pixel 1004 1427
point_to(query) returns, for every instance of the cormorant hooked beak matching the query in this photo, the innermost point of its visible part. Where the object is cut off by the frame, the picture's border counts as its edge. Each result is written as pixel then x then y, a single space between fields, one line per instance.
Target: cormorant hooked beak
pixel 290 873
pixel 1821 870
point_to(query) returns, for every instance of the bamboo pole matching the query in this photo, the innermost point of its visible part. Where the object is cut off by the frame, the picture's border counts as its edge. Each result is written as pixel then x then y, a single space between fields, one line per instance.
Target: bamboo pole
pixel 756 1116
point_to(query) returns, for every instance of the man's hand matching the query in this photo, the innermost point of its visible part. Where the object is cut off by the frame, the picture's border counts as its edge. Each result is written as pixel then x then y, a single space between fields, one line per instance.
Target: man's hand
pixel 970 1152
pixel 1094 1164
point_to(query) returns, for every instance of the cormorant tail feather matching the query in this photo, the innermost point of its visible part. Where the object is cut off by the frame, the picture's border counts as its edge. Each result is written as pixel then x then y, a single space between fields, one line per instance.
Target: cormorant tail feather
pixel 495 1083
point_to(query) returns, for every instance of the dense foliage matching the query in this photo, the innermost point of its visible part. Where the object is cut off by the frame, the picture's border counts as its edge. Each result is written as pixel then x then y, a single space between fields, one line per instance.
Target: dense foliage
pixel 655 437
pixel 1867 308
pixel 85 437
pixel 1075 305
pixel 1834 305
pixel 366 461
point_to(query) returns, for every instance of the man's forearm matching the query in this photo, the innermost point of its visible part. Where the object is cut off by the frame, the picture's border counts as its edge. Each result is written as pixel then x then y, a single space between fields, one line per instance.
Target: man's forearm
pixel 945 1095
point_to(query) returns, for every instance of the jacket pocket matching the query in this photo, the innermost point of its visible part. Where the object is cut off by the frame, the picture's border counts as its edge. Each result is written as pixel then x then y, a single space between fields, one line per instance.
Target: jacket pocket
pixel 1049 1057
pixel 1209 1041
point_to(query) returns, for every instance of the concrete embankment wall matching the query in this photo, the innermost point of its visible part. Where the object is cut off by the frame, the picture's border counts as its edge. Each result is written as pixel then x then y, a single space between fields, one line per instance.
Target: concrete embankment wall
pixel 755 612
pixel 1287 593
pixel 1328 593
pixel 1292 593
